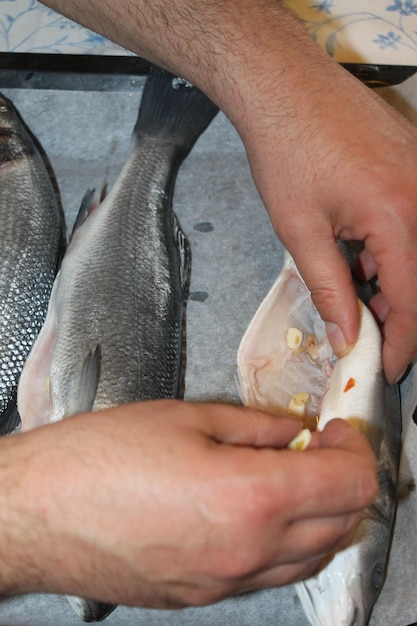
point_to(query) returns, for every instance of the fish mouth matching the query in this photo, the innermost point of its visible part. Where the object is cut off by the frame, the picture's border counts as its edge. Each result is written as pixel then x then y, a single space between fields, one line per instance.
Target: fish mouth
pixel 285 362
pixel 6 111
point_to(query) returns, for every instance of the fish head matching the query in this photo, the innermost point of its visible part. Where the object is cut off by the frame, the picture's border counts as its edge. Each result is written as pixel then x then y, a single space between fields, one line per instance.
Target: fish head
pixel 275 362
pixel 14 145
pixel 7 113
pixel 272 372
pixel 346 589
pixel 9 117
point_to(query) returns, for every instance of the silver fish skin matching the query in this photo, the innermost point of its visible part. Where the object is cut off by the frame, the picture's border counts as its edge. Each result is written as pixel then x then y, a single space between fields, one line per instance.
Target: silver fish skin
pixel 114 331
pixel 32 241
pixel 346 589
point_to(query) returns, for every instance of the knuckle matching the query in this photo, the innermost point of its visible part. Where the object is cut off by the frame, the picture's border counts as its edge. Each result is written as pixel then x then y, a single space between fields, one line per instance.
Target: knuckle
pixel 193 594
pixel 303 571
pixel 245 555
pixel 234 558
pixel 242 563
pixel 334 536
pixel 341 535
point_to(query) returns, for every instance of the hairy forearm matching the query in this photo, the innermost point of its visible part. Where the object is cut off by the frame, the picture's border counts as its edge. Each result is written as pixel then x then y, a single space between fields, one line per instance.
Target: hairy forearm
pixel 228 48
pixel 36 482
pixel 22 531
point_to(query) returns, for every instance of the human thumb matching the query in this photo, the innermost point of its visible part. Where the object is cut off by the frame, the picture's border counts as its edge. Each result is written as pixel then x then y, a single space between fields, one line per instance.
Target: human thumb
pixel 328 277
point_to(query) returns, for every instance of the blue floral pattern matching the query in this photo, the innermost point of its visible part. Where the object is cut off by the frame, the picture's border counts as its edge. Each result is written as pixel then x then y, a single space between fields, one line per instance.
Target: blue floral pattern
pixel 28 26
pixel 367 31
pixel 362 31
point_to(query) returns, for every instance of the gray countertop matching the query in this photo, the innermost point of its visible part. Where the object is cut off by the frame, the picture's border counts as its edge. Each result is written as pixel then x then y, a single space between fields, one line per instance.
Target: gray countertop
pixel 234 262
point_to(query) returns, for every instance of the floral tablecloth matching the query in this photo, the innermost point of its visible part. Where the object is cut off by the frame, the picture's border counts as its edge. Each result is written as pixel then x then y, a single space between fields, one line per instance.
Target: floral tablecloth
pixel 364 31
pixel 28 26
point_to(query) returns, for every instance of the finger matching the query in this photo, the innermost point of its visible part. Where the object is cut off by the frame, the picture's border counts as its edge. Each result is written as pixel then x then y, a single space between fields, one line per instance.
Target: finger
pixel 312 539
pixel 400 345
pixel 397 277
pixel 317 538
pixel 224 423
pixel 337 479
pixel 245 426
pixel 379 306
pixel 281 575
pixel 400 334
pixel 400 327
pixel 366 266
pixel 338 433
pixel 329 279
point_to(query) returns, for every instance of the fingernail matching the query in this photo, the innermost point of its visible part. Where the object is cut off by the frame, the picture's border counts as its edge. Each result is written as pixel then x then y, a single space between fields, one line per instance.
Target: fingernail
pixel 337 339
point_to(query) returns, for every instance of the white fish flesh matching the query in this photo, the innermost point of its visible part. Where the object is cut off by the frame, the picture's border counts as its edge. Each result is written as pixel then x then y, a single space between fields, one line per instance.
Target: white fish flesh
pixel 275 367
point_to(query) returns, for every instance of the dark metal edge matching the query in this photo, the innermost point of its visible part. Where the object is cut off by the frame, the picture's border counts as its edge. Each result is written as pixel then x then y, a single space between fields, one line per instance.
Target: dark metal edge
pixel 374 75
pixel 72 71
pixel 119 73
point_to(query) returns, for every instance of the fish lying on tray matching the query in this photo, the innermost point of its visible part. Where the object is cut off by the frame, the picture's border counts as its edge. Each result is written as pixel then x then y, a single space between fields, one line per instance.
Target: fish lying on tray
pixel 32 241
pixel 113 333
pixel 285 364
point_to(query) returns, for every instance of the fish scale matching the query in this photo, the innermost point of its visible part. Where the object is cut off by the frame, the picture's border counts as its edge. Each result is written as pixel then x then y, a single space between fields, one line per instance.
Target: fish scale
pixel 114 329
pixel 32 236
pixel 148 311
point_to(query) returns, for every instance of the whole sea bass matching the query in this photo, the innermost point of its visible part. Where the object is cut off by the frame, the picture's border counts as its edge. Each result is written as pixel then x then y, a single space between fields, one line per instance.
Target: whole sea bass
pixel 285 364
pixel 32 240
pixel 114 328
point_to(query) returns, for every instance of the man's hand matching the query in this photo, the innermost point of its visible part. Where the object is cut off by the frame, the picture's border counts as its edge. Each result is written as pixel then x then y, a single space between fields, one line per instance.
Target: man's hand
pixel 168 503
pixel 342 167
pixel 329 157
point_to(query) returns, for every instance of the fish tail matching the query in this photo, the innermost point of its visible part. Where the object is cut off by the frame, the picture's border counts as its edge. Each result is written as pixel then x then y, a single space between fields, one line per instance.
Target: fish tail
pixel 173 109
pixel 10 418
pixel 82 398
pixel 90 610
pixel 185 254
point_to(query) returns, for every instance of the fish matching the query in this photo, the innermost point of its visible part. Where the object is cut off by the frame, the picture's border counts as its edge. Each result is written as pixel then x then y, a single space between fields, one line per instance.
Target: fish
pixel 115 326
pixel 286 365
pixel 32 242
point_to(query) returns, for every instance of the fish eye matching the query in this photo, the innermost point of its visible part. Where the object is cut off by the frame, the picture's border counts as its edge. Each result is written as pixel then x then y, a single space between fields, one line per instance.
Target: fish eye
pixel 377 577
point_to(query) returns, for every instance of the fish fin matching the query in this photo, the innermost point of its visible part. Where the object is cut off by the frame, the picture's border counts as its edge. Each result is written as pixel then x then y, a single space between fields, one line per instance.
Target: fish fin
pixel 10 418
pixel 173 109
pixel 90 610
pixel 185 253
pixel 87 206
pixel 103 193
pixel 85 392
pixel 184 250
pixel 34 389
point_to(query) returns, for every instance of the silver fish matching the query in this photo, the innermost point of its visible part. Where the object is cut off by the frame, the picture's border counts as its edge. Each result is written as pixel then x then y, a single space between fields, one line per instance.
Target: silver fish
pixel 32 240
pixel 285 356
pixel 114 328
